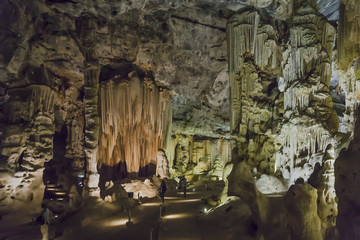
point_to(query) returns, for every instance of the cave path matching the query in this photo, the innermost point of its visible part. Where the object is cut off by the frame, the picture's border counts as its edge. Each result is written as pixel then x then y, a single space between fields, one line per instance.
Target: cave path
pixel 180 218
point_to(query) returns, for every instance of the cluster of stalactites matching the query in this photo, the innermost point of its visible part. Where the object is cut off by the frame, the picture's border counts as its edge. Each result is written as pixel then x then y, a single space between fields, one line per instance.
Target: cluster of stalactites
pixel 196 156
pixel 248 36
pixel 135 122
pixel 301 142
pixel 37 98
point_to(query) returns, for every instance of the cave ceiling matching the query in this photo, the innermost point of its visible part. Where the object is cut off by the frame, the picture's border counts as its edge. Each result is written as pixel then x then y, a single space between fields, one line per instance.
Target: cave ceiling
pixel 182 42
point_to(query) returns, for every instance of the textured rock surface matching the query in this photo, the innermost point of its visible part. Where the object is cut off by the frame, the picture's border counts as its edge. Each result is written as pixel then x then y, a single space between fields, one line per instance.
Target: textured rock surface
pixel 86 28
pixel 300 202
pixel 52 53
pixel 309 118
pixel 279 72
pixel 194 155
pixel 281 109
pixel 254 65
pixel 283 121
pixel 347 164
pixel 268 184
pixel 135 120
pixel 162 165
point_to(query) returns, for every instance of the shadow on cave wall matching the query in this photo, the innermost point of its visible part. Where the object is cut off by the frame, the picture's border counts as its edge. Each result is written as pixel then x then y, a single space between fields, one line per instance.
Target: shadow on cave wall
pixel 60 175
pixel 347 186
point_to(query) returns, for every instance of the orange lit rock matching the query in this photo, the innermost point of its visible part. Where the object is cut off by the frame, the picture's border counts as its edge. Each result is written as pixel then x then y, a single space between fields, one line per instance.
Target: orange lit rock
pixel 135 119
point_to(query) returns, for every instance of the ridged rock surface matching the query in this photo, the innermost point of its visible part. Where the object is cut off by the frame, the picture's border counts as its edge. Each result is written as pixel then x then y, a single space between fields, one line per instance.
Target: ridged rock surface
pixel 135 121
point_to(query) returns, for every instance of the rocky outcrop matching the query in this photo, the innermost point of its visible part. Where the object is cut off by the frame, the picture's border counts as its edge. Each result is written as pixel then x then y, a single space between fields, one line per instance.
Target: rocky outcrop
pixel 267 212
pixel 303 221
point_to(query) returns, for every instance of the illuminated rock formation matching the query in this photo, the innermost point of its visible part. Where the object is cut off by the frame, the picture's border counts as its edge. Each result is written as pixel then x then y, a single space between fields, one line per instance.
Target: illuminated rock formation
pixel 162 164
pixel 27 141
pixel 135 122
pixel 309 118
pixel 256 102
pixel 193 155
pixel 282 117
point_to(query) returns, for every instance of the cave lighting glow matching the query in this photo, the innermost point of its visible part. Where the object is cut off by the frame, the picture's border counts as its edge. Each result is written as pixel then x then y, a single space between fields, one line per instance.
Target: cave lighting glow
pixel 13 182
pixel 177 216
pixel 186 200
pixel 191 193
pixel 150 204
pixel 117 222
pixel 170 198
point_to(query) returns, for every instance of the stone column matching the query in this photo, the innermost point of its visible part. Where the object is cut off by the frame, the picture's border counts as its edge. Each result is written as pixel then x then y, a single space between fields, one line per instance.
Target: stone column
pixel 86 27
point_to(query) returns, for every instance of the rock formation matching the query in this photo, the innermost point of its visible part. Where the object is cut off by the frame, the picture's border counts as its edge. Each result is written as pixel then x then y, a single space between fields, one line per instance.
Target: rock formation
pixel 86 27
pixel 282 118
pixel 309 120
pixel 249 92
pixel 194 155
pixel 135 121
pixel 346 177
pixel 162 164
pixel 51 57
pixel 303 219
pixel 253 69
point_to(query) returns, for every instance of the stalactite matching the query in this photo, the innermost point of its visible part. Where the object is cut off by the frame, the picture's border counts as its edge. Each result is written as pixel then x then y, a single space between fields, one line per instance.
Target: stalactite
pixel 28 141
pixel 135 122
pixel 307 72
pixel 301 145
pixel 253 64
pixel 248 35
pixel 38 98
pixel 349 34
pixel 197 156
pixel 75 138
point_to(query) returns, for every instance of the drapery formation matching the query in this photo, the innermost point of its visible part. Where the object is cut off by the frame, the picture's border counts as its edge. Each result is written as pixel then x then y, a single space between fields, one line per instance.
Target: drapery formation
pixel 135 121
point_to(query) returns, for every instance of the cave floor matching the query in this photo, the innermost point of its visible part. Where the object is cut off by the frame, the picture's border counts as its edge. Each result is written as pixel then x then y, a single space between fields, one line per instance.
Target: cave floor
pixel 179 221
pixel 103 220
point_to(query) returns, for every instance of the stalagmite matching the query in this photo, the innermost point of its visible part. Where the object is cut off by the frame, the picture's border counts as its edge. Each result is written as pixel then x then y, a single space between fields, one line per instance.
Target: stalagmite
pixel 162 164
pixel 303 220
